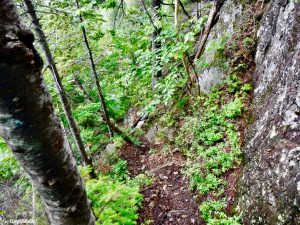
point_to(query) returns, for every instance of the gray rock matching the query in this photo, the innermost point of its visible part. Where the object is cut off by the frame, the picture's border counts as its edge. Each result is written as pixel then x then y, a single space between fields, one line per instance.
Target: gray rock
pixel 135 118
pixel 131 117
pixel 140 124
pixel 229 14
pixel 209 78
pixel 109 154
pixel 269 191
pixel 151 134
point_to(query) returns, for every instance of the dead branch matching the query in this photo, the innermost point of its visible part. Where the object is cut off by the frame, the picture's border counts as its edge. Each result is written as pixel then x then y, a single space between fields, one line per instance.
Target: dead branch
pixel 209 25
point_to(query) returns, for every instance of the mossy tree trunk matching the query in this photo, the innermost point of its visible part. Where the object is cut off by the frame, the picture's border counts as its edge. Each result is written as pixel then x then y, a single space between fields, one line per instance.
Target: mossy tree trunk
pixel 31 129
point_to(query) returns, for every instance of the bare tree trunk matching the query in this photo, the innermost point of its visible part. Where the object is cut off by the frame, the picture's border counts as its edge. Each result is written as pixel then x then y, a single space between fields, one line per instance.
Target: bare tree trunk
pixel 209 24
pixel 31 129
pixel 60 89
pixel 33 206
pixel 148 14
pixel 184 10
pixel 156 44
pixel 185 58
pixel 176 15
pixel 81 88
pixel 111 127
pixel 95 77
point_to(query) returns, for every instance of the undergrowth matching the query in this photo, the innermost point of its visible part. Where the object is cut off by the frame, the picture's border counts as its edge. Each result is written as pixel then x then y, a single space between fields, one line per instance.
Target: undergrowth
pixel 210 140
pixel 115 197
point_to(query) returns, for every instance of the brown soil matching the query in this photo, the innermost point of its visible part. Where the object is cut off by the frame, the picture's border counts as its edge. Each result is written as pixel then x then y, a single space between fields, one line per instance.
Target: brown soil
pixel 168 200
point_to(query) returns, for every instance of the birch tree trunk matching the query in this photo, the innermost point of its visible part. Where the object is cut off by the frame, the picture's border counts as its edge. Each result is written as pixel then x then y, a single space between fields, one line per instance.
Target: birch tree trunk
pixel 31 129
pixel 59 87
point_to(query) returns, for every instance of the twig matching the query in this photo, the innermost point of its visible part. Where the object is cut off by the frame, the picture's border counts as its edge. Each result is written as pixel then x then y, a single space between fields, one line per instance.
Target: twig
pixel 148 14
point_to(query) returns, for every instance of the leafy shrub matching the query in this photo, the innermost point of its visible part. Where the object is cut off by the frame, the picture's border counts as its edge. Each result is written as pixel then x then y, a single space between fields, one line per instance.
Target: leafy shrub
pixel 247 87
pixel 233 109
pixel 87 115
pixel 211 143
pixel 205 183
pixel 212 213
pixel 114 202
pixel 248 42
pixel 9 165
pixel 119 171
pixel 234 83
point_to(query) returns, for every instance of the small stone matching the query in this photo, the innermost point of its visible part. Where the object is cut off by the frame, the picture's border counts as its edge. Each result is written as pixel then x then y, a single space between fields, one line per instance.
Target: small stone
pixel 152 204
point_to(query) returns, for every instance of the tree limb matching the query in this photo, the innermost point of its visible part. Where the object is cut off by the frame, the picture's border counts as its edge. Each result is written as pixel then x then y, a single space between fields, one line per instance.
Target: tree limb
pixel 148 14
pixel 209 25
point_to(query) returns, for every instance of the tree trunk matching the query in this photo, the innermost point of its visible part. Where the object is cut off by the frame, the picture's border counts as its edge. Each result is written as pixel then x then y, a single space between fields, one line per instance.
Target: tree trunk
pixel 156 44
pixel 176 15
pixel 111 127
pixel 81 88
pixel 209 24
pixel 31 129
pixel 59 87
pixel 95 77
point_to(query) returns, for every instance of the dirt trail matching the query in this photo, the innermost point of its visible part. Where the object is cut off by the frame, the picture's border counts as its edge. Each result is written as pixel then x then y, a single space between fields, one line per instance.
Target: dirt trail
pixel 168 200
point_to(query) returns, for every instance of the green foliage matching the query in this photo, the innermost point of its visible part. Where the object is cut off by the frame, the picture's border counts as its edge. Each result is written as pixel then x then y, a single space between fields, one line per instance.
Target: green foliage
pixel 214 54
pixel 142 180
pixel 248 42
pixel 210 140
pixel 118 142
pixel 203 183
pixel 213 214
pixel 181 103
pixel 247 87
pixel 109 4
pixel 125 64
pixel 119 171
pixel 233 109
pixel 85 172
pixel 87 115
pixel 9 166
pixel 114 202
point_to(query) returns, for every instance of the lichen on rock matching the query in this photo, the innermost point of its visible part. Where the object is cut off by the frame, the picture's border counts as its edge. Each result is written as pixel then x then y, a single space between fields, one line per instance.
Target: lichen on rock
pixel 269 186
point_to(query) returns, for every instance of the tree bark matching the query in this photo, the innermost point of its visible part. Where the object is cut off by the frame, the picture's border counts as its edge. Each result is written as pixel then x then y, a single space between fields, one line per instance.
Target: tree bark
pixel 59 87
pixel 31 129
pixel 209 25
pixel 176 15
pixel 81 88
pixel 156 44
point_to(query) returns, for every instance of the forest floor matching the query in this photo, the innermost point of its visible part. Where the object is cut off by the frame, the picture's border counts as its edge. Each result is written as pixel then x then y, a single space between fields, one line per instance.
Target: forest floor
pixel 168 200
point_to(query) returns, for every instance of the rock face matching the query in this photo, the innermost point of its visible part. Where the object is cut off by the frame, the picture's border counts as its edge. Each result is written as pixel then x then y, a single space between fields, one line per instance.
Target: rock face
pixel 270 183
pixel 230 13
